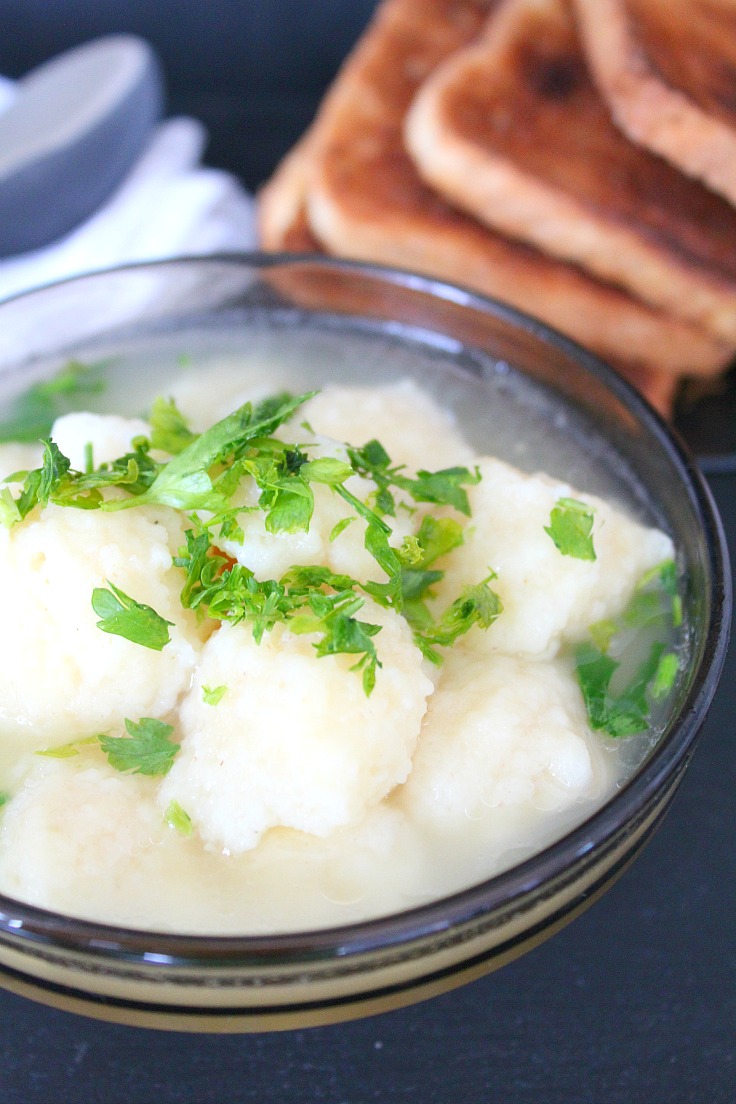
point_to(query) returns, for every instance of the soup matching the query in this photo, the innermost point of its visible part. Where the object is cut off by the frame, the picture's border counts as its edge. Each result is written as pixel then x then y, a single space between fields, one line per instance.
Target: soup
pixel 251 721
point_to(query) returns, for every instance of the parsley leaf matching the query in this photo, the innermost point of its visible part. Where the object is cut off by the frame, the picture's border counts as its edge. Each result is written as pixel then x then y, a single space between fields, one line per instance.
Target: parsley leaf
pixel 9 513
pixel 185 482
pixel 326 469
pixel 146 749
pixel 342 633
pixel 213 695
pixel 42 483
pixel 664 676
pixel 570 527
pixel 619 700
pixel 477 605
pixel 178 819
pixel 170 430
pixel 122 616
pixel 443 488
pixel 66 751
pixel 436 538
pixel 623 713
pixel 340 527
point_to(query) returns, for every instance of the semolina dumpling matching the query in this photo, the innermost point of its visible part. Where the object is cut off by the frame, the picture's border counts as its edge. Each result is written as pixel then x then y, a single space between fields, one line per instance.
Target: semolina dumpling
pixel 294 741
pixel 73 828
pixel 269 555
pixel 411 426
pixel 548 598
pixel 501 731
pixel 16 457
pixel 108 435
pixel 81 680
pixel 82 838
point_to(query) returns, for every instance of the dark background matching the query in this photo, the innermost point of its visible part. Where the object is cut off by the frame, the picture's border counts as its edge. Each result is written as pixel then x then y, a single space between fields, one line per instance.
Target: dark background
pixel 635 1002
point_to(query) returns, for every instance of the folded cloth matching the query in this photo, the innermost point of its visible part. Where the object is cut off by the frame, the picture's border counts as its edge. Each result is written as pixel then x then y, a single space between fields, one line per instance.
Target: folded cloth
pixel 168 205
pixel 7 92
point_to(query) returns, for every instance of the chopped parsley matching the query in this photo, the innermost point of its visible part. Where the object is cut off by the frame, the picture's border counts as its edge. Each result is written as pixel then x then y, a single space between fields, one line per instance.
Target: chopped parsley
pixel 622 713
pixel 443 488
pixel 201 477
pixel 477 605
pixel 619 700
pixel 178 819
pixel 66 751
pixel 242 443
pixel 340 527
pixel 570 527
pixel 213 695
pixel 170 430
pixel 146 749
pixel 122 616
pixel 664 676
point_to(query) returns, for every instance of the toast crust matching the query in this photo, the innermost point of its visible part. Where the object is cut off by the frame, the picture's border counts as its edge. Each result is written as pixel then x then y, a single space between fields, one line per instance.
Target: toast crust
pixel 365 200
pixel 667 70
pixel 513 130
pixel 281 215
pixel 363 190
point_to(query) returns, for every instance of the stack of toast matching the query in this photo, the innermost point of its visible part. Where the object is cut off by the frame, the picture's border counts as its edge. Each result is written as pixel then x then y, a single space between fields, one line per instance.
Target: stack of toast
pixel 499 144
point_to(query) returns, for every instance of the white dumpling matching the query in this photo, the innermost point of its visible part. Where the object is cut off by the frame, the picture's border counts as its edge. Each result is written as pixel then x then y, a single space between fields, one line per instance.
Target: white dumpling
pixel 16 457
pixel 500 731
pixel 63 677
pixel 77 838
pixel 109 436
pixel 294 741
pixel 547 597
pixel 410 425
pixel 206 396
pixel 269 555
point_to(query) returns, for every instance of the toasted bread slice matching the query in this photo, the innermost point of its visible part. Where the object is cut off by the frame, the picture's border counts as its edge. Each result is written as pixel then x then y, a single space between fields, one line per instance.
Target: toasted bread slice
pixel 365 200
pixel 284 198
pixel 514 131
pixel 667 69
pixel 282 215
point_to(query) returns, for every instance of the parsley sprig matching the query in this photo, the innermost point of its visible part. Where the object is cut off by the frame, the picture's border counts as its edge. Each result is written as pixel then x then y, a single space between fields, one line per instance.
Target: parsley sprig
pixel 308 599
pixel 122 616
pixel 571 527
pixel 443 488
pixel 147 748
pixel 314 599
pixel 202 478
pixel 619 701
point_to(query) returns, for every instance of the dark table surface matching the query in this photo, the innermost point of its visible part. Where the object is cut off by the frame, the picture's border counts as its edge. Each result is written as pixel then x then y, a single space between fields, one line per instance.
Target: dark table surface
pixel 635 1001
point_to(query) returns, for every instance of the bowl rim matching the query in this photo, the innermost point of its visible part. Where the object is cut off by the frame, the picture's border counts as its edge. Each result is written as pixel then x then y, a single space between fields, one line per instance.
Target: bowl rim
pixel 42 928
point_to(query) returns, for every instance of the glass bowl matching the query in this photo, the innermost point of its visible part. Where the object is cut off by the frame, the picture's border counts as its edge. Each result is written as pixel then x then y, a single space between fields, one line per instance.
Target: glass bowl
pixel 467 346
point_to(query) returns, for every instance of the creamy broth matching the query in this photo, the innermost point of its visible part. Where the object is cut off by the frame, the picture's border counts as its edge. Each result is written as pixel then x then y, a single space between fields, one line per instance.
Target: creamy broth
pixel 467 794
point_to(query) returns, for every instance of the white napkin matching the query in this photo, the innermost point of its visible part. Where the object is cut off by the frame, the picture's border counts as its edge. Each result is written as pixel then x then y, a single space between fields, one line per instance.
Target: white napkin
pixel 169 205
pixel 7 92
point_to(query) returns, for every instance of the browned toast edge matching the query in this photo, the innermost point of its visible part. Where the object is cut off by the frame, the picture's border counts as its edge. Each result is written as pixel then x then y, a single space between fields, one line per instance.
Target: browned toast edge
pixel 502 194
pixel 649 110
